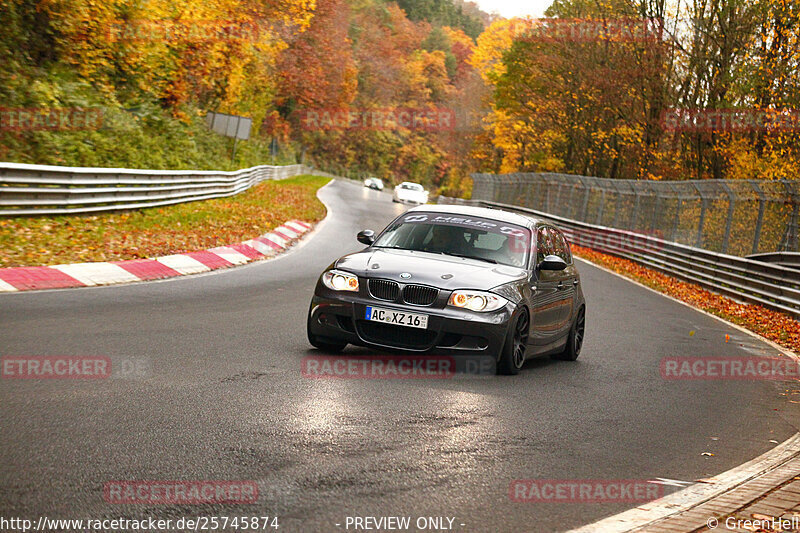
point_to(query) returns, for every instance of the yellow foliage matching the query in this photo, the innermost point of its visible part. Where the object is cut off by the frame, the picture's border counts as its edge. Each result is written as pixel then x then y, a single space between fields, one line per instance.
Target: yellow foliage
pixel 175 49
pixel 496 39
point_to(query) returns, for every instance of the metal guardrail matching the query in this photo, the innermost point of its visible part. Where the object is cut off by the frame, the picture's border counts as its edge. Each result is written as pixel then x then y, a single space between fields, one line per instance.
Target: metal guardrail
pixel 52 190
pixel 788 259
pixel 747 280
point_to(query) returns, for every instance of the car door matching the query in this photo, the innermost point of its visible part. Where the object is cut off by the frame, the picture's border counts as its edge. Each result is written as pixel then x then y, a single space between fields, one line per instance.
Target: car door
pixel 566 284
pixel 544 293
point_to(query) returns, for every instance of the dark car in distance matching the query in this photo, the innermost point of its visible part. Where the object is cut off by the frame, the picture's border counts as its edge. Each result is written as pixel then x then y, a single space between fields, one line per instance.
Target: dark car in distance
pixel 450 279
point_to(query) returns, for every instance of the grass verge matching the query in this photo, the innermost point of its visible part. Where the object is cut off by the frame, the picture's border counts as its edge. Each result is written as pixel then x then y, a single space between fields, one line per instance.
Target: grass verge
pixel 153 232
pixel 773 325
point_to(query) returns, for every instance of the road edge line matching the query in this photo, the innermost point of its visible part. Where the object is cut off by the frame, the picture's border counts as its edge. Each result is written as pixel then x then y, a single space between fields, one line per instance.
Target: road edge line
pixel 697 494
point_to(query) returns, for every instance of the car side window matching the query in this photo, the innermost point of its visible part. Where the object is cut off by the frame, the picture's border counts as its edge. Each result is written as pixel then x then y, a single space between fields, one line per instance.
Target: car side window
pixel 562 247
pixel 543 244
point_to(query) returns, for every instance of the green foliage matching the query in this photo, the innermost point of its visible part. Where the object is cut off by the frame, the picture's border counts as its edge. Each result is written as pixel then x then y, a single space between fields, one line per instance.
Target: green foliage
pixel 133 134
pixel 442 13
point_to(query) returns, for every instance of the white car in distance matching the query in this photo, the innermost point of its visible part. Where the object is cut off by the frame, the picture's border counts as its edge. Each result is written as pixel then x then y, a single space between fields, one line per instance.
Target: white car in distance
pixel 374 183
pixel 410 193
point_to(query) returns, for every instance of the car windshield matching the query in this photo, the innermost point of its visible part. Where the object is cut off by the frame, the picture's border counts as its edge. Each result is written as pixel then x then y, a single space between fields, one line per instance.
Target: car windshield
pixel 478 238
pixel 411 186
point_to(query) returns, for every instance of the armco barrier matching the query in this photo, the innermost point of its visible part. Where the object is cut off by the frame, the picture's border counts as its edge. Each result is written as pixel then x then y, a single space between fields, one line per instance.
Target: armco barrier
pixel 51 190
pixel 747 280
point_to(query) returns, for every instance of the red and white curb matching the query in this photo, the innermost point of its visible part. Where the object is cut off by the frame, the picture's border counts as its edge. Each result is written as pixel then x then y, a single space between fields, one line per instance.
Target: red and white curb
pixel 107 273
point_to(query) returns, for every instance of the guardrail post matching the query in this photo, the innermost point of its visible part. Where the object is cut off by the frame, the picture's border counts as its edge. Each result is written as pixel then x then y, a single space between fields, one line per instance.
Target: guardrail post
pixel 602 206
pixel 547 196
pixel 790 242
pixel 617 207
pixel 585 208
pixel 762 205
pixel 635 214
pixel 676 221
pixel 731 206
pixel 572 188
pixel 558 200
pixel 701 222
pixel 654 219
pixel 528 189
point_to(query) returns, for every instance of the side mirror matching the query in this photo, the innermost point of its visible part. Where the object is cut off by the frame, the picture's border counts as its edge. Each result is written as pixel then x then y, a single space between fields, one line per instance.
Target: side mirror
pixel 552 262
pixel 367 237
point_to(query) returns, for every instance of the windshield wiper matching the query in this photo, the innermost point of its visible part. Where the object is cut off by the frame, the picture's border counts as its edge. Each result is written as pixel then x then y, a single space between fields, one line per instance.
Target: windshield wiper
pixel 438 252
pixel 488 260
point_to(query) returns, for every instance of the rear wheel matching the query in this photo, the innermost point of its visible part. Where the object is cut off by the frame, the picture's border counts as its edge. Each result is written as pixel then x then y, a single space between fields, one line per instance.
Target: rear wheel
pixel 575 339
pixel 512 356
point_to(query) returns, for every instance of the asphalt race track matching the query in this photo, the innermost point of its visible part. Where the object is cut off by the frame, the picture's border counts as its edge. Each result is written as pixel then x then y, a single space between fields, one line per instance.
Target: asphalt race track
pixel 223 398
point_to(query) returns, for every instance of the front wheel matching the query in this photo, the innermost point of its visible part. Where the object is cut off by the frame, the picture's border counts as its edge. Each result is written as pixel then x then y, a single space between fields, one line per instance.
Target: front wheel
pixel 575 339
pixel 512 357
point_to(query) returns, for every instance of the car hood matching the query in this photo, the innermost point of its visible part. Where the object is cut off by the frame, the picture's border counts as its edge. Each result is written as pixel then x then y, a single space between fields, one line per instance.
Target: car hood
pixel 441 271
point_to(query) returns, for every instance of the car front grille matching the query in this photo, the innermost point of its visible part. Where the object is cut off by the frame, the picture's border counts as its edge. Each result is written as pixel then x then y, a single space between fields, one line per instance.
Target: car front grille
pixel 397 336
pixel 384 289
pixel 419 294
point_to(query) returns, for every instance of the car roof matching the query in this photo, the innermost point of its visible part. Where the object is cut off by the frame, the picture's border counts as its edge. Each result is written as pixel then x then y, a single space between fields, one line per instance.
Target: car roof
pixel 493 214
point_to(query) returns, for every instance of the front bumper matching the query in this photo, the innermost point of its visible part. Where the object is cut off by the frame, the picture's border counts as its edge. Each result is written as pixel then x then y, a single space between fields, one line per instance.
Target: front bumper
pixel 340 317
pixel 409 201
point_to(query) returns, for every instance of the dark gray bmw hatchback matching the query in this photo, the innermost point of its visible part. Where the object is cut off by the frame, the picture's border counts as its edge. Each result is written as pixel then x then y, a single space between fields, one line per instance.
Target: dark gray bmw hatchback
pixel 455 280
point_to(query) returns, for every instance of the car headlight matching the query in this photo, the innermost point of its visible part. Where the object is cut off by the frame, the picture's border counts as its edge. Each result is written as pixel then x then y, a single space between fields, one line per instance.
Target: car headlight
pixel 476 300
pixel 340 281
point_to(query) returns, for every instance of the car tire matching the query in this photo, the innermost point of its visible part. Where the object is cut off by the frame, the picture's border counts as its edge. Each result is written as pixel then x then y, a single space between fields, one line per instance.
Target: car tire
pixel 325 346
pixel 575 338
pixel 512 355
pixel 333 347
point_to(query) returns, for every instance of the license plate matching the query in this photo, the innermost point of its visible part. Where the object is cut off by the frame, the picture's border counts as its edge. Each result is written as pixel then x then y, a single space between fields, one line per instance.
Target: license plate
pixel 399 318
